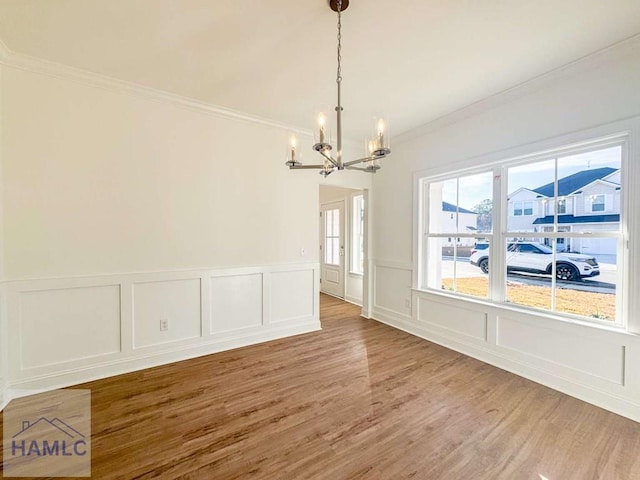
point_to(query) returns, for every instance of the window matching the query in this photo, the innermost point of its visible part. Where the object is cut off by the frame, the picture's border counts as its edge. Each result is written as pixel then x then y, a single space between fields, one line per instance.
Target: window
pixel 562 206
pixel 517 209
pixel 597 203
pixel 459 209
pixel 522 208
pixel 357 235
pixel 545 259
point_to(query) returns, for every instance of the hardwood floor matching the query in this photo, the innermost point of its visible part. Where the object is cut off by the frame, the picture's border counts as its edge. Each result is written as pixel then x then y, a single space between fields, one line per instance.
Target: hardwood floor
pixel 358 400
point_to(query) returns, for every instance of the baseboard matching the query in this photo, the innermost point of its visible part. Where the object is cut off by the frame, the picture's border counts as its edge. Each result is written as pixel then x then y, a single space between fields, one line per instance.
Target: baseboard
pixel 599 398
pixel 353 300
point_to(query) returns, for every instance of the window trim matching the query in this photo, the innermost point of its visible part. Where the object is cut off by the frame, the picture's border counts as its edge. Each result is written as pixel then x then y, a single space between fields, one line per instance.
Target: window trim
pixel 571 144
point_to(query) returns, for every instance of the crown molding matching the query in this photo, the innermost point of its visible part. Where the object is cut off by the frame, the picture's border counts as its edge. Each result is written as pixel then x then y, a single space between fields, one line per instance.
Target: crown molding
pixel 96 80
pixel 615 52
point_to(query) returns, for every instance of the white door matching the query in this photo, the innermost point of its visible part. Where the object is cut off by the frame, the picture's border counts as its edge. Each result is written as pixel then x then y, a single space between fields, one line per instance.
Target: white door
pixel 332 249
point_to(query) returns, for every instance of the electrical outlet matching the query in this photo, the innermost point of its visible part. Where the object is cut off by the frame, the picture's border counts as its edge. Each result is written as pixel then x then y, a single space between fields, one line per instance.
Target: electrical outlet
pixel 303 252
pixel 407 303
pixel 164 324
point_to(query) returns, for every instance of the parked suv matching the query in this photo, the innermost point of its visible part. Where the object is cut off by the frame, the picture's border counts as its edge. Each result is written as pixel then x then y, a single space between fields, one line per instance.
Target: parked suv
pixel 532 257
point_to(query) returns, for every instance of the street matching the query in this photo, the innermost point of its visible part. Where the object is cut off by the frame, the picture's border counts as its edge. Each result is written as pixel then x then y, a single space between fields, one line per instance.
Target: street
pixel 603 283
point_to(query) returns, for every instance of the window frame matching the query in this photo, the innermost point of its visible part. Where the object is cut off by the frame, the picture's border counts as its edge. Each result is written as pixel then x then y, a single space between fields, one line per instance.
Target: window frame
pixel 356 235
pixel 518 210
pixel 503 209
pixel 562 201
pixel 603 203
pixel 454 234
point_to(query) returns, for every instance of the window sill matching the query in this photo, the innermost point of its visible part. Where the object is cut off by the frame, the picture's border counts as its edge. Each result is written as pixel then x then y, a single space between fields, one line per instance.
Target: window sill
pixel 508 307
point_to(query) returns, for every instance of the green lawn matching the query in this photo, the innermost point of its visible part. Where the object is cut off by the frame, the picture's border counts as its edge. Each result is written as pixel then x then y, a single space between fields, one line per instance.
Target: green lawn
pixel 586 304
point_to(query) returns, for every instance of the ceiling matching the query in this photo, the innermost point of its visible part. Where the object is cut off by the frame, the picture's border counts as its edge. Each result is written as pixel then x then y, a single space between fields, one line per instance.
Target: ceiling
pixel 411 61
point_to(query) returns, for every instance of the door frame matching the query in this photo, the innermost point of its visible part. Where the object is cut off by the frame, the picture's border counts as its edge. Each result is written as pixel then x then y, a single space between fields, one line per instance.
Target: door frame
pixel 344 237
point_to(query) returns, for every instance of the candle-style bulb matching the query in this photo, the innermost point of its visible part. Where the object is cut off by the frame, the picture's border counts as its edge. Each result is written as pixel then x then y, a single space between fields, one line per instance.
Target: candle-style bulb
pixel 322 121
pixel 380 133
pixel 293 141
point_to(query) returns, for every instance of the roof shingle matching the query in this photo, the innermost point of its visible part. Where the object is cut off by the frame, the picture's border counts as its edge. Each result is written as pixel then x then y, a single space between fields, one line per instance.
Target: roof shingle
pixel 569 184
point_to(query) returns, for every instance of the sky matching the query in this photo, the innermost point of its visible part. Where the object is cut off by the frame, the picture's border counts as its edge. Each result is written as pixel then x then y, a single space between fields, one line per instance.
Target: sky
pixel 475 188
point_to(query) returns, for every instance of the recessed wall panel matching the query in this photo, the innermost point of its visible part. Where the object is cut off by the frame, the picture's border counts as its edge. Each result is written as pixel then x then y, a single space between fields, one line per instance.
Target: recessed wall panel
pixel 236 302
pixel 61 325
pixel 291 295
pixel 174 302
pixel 600 359
pixel 393 289
pixel 471 323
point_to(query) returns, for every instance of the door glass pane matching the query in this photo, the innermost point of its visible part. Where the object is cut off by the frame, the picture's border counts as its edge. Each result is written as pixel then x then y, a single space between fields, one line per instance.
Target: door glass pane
pixel 332 237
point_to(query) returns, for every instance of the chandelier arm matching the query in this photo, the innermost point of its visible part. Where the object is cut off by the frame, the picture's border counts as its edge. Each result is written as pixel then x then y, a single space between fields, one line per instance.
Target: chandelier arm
pixel 328 157
pixel 360 169
pixel 307 167
pixel 360 160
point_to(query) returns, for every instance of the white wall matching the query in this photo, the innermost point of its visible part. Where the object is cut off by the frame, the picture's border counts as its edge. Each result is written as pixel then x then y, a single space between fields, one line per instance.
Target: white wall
pixel 353 282
pixel 555 108
pixel 126 206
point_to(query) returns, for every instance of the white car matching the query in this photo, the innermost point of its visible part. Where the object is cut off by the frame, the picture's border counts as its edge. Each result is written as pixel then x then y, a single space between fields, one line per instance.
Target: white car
pixel 532 257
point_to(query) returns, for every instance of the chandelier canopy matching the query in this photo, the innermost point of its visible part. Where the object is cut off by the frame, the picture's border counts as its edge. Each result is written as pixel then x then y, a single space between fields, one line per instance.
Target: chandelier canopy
pixel 376 147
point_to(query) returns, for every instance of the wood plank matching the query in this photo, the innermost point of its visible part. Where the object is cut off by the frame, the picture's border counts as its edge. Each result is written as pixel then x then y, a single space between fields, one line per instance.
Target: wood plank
pixel 357 400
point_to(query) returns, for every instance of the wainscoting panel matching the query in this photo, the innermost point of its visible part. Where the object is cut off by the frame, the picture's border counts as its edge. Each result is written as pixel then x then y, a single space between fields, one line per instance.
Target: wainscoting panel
pixel 292 296
pixel 590 357
pixel 392 288
pixel 67 331
pixel 236 302
pixel 66 324
pixel 176 302
pixel 462 321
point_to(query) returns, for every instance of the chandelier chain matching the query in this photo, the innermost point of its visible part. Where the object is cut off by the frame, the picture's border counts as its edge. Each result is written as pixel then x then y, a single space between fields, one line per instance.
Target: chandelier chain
pixel 339 73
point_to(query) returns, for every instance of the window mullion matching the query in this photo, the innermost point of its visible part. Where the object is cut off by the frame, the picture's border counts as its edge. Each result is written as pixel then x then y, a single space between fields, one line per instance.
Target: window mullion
pixel 497 267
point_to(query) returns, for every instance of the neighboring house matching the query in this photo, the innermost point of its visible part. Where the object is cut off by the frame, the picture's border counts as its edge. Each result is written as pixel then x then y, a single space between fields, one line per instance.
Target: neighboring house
pixel 588 200
pixel 467 221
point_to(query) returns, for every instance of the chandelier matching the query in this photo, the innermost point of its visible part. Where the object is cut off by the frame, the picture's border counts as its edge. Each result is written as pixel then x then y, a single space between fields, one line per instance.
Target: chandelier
pixel 376 147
